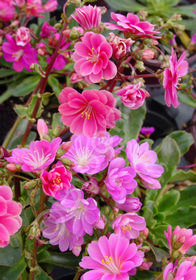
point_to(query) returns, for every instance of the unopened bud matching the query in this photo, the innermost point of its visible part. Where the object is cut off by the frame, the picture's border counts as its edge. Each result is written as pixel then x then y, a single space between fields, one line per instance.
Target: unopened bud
pixel 34 232
pixel 75 34
pixel 140 66
pixel 42 128
pixel 66 162
pixel 91 186
pixel 66 145
pixel 11 167
pixel 31 184
pixel 66 33
pixel 147 54
pixel 56 131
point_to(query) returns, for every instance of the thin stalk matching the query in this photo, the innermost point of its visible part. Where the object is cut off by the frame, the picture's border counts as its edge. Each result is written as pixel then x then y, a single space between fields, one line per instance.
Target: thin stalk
pixel 11 133
pixel 78 273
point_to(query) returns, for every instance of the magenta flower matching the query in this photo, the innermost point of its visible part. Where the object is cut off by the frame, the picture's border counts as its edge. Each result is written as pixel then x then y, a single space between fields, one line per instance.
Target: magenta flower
pixel 143 161
pixel 21 56
pixel 81 214
pixel 89 113
pixel 38 157
pixel 119 180
pixel 56 180
pixel 131 25
pixel 129 225
pixel 88 17
pixel 111 258
pixel 7 10
pixel 91 58
pixel 10 221
pixel 185 271
pixel 131 204
pixel 34 8
pixel 177 69
pixel 47 29
pixel 120 45
pixel 22 36
pixel 50 6
pixel 132 96
pixel 57 232
pixel 84 155
pixel 181 239
pixel 147 131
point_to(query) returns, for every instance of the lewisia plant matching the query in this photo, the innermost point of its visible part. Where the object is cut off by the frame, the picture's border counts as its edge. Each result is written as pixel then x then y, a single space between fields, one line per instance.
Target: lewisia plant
pixel 84 182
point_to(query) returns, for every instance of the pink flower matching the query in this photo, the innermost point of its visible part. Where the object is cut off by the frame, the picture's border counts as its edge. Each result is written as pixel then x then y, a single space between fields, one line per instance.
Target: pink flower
pixel 147 131
pixel 84 155
pixel 42 128
pixel 147 54
pixel 143 161
pixel 18 3
pixel 119 180
pixel 119 45
pixel 89 113
pixel 185 271
pixel 129 225
pixel 10 221
pixel 88 17
pixel 81 214
pixel 47 29
pixel 178 68
pixel 181 239
pixel 91 186
pixel 131 24
pixel 22 36
pixel 56 230
pixel 38 157
pixel 111 258
pixel 56 180
pixel 91 58
pixel 131 204
pixel 21 56
pixel 50 6
pixel 7 10
pixel 34 8
pixel 132 96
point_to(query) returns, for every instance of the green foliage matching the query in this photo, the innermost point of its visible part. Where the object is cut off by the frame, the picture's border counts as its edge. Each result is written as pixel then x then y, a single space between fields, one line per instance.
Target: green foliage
pixel 54 84
pixel 186 99
pixel 15 271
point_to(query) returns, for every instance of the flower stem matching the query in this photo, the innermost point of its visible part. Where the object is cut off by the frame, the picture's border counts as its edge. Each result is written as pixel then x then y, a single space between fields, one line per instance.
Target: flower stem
pixel 77 275
pixel 11 133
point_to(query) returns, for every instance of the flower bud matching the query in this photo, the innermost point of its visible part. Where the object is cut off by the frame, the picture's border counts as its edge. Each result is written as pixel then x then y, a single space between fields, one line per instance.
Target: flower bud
pixel 75 34
pixel 11 167
pixel 147 54
pixel 66 145
pixel 91 186
pixel 42 128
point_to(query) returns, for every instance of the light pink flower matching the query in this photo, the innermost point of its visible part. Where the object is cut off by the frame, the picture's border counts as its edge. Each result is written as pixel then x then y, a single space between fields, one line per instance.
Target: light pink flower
pixel 111 258
pixel 119 180
pixel 38 157
pixel 56 230
pixel 131 204
pixel 34 8
pixel 181 239
pixel 185 271
pixel 21 56
pixel 56 180
pixel 91 186
pixel 89 113
pixel 10 221
pixel 129 225
pixel 91 58
pixel 177 69
pixel 7 10
pixel 22 36
pixel 120 45
pixel 88 17
pixel 131 25
pixel 143 161
pixel 18 3
pixel 132 96
pixel 50 6
pixel 81 214
pixel 42 128
pixel 147 54
pixel 84 155
pixel 47 29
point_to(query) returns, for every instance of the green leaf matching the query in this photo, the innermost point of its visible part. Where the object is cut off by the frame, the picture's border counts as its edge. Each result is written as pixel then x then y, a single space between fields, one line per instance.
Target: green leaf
pixel 7 94
pixel 14 272
pixel 40 274
pixel 148 214
pixel 55 85
pixel 187 99
pixel 182 175
pixel 183 216
pixel 186 10
pixel 188 196
pixel 11 253
pixel 168 201
pixel 26 86
pixel 6 72
pixel 66 259
pixel 183 139
pixel 168 154
pixel 158 252
pixel 31 107
pixel 145 275
pixel 125 5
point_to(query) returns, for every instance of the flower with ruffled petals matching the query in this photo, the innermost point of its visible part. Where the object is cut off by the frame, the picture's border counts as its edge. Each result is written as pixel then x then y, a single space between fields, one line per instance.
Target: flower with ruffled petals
pixel 129 225
pixel 119 180
pixel 56 180
pixel 10 221
pixel 22 36
pixel 91 58
pixel 89 113
pixel 111 258
pixel 88 17
pixel 177 69
pixel 81 214
pixel 21 56
pixel 38 157
pixel 7 10
pixel 120 45
pixel 143 161
pixel 131 25
pixel 57 232
pixel 132 96
pixel 185 271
